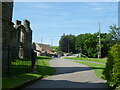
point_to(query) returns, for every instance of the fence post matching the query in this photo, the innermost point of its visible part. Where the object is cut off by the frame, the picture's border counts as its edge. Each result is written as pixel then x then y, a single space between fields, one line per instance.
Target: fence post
pixel 8 65
pixel 33 60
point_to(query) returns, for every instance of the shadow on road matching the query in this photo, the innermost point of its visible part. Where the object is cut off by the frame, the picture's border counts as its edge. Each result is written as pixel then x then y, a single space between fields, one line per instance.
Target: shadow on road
pixel 64 81
pixel 67 84
pixel 65 70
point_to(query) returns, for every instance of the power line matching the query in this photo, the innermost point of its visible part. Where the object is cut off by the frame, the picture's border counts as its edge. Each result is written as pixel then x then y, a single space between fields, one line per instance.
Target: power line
pixel 41 40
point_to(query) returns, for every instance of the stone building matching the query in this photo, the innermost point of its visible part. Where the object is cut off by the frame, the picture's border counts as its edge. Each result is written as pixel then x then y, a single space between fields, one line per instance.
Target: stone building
pixel 28 46
pixel 7 33
pixel 16 39
pixel 23 39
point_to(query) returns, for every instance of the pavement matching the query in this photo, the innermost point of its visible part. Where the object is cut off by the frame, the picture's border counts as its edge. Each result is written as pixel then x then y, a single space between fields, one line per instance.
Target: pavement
pixel 70 74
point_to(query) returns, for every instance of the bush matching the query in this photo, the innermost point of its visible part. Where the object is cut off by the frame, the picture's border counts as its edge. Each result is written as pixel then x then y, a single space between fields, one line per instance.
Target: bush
pixel 83 56
pixel 112 70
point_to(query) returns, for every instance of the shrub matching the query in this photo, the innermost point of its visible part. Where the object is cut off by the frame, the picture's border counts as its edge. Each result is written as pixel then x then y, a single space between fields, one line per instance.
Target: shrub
pixel 83 56
pixel 112 70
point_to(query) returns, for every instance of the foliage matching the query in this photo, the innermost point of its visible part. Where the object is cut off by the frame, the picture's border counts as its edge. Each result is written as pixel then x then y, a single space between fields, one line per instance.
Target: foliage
pixel 90 45
pixel 55 48
pixel 79 44
pixel 106 43
pixel 112 70
pixel 115 32
pixel 67 43
pixel 83 56
pixel 87 44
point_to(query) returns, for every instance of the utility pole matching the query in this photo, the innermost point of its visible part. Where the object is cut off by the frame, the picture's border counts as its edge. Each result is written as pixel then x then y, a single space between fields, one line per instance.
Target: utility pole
pixel 99 43
pixel 80 54
pixel 51 42
pixel 41 43
pixel 41 40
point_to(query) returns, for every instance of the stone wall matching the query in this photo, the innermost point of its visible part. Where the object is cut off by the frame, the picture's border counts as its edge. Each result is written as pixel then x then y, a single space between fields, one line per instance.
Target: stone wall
pixel 7 33
pixel 23 39
pixel 16 40
pixel 28 45
pixel 0 45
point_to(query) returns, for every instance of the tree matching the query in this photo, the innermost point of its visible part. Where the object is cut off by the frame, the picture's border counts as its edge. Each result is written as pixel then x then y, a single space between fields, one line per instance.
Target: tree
pixel 115 32
pixel 79 44
pixel 67 43
pixel 106 43
pixel 88 43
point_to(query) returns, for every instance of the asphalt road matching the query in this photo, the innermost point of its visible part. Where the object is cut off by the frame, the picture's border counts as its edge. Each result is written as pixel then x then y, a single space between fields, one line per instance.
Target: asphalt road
pixel 70 75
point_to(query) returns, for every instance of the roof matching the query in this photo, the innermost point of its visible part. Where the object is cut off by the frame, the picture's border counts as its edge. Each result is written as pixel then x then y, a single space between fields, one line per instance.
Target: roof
pixel 44 47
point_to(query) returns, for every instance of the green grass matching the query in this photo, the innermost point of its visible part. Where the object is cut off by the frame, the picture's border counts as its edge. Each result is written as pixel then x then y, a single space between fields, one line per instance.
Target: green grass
pixel 20 66
pixel 89 59
pixel 11 82
pixel 98 68
pixel 43 69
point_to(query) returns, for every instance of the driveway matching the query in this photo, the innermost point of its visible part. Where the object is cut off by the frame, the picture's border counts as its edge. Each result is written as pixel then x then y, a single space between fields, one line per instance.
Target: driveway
pixel 70 75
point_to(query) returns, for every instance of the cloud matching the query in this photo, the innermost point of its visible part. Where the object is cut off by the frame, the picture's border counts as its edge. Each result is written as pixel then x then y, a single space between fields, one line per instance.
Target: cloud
pixel 64 14
pixel 98 8
pixel 93 4
pixel 43 6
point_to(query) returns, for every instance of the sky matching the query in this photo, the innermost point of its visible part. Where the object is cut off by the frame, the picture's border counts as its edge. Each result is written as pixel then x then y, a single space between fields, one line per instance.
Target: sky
pixel 50 20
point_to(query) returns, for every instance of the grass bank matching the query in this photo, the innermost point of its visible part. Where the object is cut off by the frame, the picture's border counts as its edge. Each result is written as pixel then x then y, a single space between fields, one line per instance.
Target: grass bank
pixel 88 59
pixel 42 69
pixel 98 68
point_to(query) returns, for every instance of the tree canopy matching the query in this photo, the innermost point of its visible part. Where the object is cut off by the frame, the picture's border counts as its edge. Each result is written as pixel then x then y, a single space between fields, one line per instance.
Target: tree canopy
pixel 86 43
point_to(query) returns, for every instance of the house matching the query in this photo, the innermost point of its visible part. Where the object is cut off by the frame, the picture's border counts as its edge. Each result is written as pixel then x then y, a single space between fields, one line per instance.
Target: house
pixel 44 50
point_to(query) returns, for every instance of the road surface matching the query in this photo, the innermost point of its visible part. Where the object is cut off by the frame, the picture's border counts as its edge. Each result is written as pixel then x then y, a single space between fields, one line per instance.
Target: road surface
pixel 70 74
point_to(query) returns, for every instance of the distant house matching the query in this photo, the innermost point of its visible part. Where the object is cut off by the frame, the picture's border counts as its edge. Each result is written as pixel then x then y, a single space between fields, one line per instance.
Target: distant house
pixel 44 50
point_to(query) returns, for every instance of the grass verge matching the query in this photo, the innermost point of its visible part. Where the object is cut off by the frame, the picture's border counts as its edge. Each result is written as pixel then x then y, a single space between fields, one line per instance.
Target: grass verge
pixel 43 66
pixel 11 82
pixel 98 68
pixel 43 69
pixel 88 59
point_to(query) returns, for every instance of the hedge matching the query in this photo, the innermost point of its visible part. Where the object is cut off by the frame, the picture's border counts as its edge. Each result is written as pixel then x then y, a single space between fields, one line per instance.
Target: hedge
pixel 112 70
